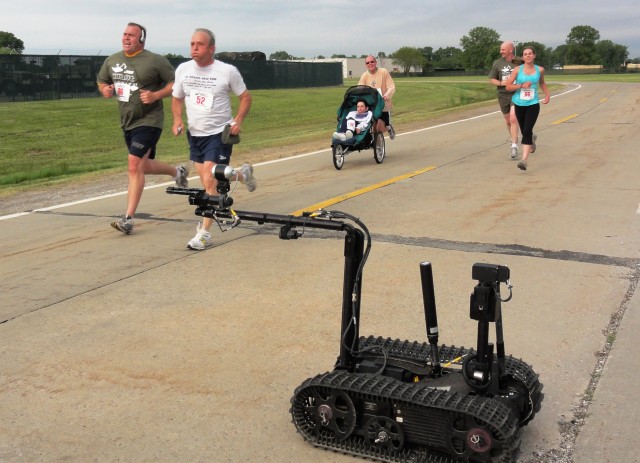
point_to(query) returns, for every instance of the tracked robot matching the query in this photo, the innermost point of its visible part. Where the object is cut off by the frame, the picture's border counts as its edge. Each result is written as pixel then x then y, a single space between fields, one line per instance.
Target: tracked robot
pixel 395 400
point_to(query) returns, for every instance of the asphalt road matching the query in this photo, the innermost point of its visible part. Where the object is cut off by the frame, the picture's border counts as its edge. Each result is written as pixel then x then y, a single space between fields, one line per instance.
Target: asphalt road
pixel 133 348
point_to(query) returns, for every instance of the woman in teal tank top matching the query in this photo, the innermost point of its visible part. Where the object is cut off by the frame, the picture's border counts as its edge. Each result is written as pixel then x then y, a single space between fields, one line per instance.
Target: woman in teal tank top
pixel 526 81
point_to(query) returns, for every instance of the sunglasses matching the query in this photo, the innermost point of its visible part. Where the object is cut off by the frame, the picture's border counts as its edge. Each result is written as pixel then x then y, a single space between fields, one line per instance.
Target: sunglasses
pixel 369 62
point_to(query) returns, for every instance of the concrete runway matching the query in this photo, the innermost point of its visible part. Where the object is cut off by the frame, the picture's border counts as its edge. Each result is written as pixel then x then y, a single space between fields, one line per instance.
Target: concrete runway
pixel 119 348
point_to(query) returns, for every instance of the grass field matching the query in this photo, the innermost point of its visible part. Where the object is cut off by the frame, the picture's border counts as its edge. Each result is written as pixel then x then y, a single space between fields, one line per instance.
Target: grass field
pixel 51 142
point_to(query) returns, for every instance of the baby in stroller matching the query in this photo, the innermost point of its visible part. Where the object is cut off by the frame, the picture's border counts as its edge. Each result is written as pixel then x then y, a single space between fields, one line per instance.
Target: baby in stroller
pixel 357 115
pixel 355 122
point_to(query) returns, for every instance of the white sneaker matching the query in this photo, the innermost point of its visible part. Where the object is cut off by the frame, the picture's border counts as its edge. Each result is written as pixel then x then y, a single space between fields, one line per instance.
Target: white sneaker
pixel 247 177
pixel 392 132
pixel 201 240
pixel 514 152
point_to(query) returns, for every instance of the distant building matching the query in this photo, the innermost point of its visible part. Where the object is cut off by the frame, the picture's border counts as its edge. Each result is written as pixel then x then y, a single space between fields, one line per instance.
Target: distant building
pixel 353 68
pixel 582 68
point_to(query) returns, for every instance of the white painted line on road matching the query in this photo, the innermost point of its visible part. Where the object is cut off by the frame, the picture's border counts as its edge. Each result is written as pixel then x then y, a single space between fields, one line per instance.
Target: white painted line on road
pixel 96 198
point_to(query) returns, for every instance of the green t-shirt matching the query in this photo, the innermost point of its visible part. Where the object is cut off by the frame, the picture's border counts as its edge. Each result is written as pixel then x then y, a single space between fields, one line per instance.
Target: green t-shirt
pixel 501 70
pixel 129 75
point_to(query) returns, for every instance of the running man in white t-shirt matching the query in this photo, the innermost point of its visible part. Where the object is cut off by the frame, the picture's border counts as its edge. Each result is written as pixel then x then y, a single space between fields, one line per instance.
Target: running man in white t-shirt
pixel 204 86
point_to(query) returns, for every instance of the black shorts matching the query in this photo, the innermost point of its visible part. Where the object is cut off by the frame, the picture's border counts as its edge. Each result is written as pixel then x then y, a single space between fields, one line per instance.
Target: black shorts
pixel 142 139
pixel 386 117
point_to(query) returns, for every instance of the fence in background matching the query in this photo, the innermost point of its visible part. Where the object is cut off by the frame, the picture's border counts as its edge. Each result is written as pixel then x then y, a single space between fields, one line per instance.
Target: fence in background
pixel 52 77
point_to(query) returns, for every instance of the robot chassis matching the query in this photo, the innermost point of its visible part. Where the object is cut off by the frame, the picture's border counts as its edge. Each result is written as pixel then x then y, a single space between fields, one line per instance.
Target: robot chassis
pixel 394 400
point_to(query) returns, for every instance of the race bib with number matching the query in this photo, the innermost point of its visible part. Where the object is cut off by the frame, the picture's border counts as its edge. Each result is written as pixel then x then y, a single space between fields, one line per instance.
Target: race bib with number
pixel 201 100
pixel 123 91
pixel 527 94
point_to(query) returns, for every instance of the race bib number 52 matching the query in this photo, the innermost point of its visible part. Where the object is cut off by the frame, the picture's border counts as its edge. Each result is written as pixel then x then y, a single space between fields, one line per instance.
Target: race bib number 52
pixel 201 100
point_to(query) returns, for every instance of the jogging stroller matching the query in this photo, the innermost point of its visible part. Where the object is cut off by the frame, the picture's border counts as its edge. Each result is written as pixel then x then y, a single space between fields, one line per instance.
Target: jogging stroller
pixel 367 138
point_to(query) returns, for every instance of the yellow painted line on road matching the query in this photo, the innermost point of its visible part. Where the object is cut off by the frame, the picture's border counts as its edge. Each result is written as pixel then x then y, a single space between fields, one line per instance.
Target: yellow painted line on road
pixel 361 191
pixel 568 118
pixel 604 99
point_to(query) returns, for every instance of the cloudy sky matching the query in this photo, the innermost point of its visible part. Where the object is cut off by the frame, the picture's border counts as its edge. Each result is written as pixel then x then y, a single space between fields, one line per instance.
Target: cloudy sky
pixel 309 28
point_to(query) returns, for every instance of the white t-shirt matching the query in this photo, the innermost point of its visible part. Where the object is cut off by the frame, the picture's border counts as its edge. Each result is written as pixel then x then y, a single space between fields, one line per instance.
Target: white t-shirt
pixel 206 92
pixel 360 120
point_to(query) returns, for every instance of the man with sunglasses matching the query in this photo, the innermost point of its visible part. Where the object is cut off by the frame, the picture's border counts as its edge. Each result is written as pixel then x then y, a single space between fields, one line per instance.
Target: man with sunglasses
pixel 381 79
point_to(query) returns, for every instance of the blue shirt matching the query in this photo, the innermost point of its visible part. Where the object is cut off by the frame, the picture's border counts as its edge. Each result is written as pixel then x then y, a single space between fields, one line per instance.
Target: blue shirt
pixel 527 96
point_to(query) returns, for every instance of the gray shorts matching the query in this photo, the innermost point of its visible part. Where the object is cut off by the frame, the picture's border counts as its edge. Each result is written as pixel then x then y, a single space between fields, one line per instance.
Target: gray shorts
pixel 504 100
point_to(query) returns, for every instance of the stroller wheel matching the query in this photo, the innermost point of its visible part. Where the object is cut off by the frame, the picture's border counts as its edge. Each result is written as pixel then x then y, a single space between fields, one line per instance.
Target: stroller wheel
pixel 378 148
pixel 338 156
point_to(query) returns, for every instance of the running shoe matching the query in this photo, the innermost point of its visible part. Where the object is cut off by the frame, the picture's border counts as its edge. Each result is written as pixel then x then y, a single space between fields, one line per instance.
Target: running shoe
pixel 201 240
pixel 514 152
pixel 181 179
pixel 124 224
pixel 522 165
pixel 247 177
pixel 392 132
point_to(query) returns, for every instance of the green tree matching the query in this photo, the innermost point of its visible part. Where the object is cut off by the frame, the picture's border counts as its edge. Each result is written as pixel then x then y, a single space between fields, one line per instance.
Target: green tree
pixel 10 44
pixel 480 48
pixel 174 55
pixel 612 55
pixel 543 54
pixel 447 58
pixel 280 55
pixel 407 58
pixel 581 43
pixel 427 53
pixel 559 55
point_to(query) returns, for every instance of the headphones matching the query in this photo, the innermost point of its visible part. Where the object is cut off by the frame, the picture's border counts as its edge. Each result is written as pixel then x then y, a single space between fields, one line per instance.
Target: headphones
pixel 143 31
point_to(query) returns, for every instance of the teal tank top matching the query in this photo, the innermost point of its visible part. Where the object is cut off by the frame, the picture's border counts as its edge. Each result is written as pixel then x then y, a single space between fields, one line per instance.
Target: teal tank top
pixel 527 96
